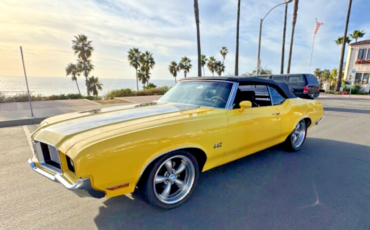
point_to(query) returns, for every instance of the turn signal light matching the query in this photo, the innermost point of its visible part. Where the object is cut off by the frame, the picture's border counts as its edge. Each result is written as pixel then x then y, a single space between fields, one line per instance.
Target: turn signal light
pixel 118 186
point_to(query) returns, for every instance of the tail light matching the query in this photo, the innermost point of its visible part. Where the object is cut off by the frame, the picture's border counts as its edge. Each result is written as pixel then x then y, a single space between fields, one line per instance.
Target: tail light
pixel 305 89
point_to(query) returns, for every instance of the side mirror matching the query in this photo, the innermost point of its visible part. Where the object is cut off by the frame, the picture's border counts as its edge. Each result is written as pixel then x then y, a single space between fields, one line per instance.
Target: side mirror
pixel 245 105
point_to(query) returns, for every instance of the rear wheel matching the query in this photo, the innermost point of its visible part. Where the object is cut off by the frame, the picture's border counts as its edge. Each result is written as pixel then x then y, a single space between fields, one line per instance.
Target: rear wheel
pixel 295 140
pixel 171 180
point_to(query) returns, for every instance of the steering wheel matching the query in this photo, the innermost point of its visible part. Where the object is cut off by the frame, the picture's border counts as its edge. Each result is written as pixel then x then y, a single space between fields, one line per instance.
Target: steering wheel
pixel 218 98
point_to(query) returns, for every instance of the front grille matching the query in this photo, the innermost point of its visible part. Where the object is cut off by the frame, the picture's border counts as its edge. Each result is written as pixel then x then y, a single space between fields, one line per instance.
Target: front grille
pixel 47 155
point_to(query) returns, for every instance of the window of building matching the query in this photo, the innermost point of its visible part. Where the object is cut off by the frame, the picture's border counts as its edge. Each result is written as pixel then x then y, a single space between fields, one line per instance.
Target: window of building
pixel 365 79
pixel 358 78
pixel 368 54
pixel 362 54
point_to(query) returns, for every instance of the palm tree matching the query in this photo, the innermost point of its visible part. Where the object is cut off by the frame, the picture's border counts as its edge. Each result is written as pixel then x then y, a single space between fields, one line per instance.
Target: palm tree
pixel 317 72
pixel 82 47
pixel 357 34
pixel 196 12
pixel 147 63
pixel 283 42
pixel 340 70
pixel 204 62
pixel 211 65
pixel 332 76
pixel 85 67
pixel 262 71
pixel 294 21
pixel 134 55
pixel 72 70
pixel 185 65
pixel 219 68
pixel 236 73
pixel 95 85
pixel 144 75
pixel 174 69
pixel 339 41
pixel 223 53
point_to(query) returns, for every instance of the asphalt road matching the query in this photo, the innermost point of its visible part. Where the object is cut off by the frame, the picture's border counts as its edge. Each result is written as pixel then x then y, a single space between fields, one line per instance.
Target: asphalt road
pixel 324 186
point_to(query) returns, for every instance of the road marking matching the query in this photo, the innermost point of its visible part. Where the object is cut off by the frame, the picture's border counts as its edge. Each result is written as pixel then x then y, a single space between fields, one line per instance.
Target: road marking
pixel 28 136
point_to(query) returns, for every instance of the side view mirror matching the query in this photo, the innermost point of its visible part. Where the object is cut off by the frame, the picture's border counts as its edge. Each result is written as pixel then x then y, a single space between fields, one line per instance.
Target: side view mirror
pixel 245 105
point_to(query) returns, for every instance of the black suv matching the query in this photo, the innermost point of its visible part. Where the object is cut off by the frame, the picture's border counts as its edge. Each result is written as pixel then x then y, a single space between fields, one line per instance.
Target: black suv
pixel 302 85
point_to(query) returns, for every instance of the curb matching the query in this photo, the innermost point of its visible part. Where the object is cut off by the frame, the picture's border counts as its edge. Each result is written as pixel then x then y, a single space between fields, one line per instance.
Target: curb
pixel 19 122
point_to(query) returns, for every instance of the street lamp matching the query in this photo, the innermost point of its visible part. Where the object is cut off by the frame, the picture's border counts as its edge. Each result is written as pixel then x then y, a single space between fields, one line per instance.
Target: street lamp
pixel 260 34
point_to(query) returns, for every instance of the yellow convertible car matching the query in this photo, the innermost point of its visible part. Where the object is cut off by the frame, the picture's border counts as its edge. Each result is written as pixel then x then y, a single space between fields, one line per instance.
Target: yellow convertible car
pixel 161 147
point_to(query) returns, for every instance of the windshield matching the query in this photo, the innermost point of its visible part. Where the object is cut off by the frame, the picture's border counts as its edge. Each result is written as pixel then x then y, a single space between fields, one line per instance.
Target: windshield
pixel 202 93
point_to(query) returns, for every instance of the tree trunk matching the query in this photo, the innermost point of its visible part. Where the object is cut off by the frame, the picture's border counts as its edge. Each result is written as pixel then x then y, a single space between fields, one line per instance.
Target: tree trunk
pixel 175 80
pixel 79 92
pixel 283 42
pixel 295 12
pixel 87 86
pixel 204 71
pixel 196 12
pixel 236 71
pixel 340 70
pixel 185 74
pixel 137 81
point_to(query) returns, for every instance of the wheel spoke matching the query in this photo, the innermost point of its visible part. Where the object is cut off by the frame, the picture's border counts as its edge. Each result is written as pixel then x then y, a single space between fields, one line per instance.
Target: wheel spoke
pixel 168 165
pixel 298 126
pixel 160 179
pixel 166 190
pixel 180 169
pixel 179 183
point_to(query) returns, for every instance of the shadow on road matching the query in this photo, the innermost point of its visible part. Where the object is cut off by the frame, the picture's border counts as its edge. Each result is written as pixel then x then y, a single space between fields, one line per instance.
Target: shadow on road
pixel 325 185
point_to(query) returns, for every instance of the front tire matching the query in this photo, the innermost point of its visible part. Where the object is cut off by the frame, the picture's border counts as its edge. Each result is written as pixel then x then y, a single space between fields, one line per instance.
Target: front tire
pixel 296 139
pixel 171 180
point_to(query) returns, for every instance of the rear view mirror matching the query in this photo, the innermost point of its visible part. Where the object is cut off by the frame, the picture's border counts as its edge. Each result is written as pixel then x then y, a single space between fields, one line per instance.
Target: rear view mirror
pixel 245 105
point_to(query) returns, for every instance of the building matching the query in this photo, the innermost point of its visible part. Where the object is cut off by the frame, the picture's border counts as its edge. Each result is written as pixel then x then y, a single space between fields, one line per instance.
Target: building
pixel 357 69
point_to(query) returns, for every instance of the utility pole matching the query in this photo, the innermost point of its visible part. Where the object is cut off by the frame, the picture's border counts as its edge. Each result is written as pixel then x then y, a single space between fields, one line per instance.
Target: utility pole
pixel 25 76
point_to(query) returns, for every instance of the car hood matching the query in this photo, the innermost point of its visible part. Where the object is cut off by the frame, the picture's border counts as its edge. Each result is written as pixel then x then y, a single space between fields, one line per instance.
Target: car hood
pixel 73 127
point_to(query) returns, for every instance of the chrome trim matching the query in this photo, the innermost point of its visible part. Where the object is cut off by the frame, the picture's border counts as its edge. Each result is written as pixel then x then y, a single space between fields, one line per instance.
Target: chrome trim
pixel 318 121
pixel 82 187
pixel 271 101
pixel 234 90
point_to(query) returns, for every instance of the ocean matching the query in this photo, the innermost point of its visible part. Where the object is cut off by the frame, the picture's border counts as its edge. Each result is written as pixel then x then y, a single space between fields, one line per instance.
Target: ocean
pixel 64 85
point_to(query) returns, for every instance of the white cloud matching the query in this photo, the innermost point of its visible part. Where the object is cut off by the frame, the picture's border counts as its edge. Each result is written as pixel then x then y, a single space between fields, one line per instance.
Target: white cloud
pixel 165 28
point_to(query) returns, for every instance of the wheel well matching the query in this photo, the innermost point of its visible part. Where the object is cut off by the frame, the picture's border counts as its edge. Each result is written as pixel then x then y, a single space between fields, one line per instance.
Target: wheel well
pixel 308 122
pixel 199 154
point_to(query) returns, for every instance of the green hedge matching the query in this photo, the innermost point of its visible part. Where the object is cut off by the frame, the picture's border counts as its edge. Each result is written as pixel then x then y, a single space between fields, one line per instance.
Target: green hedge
pixel 129 92
pixel 24 97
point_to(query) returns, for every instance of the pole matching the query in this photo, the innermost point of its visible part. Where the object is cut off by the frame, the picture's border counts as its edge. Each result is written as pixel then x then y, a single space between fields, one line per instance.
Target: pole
pixel 25 76
pixel 259 49
pixel 283 43
pixel 313 44
pixel 236 71
pixel 339 83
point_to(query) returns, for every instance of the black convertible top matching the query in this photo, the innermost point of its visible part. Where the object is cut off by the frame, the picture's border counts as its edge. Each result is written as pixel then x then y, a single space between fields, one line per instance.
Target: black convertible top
pixel 281 86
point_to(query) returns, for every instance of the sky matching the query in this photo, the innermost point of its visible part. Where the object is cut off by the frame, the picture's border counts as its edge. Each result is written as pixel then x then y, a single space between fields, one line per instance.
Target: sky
pixel 45 29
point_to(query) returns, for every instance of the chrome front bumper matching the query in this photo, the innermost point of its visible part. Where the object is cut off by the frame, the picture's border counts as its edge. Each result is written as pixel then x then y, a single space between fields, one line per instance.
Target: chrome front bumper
pixel 82 187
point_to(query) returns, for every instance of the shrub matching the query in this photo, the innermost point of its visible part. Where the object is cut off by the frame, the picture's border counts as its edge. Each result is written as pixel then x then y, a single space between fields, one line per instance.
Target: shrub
pixel 128 92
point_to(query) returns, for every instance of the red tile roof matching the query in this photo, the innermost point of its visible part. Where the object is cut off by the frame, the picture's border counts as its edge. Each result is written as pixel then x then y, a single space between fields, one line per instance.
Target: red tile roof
pixel 364 42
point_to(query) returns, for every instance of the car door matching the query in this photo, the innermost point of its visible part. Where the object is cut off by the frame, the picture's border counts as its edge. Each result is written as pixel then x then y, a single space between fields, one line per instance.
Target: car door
pixel 250 131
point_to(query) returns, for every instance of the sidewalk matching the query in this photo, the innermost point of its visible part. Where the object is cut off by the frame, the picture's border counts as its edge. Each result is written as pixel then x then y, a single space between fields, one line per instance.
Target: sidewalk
pixel 339 96
pixel 18 113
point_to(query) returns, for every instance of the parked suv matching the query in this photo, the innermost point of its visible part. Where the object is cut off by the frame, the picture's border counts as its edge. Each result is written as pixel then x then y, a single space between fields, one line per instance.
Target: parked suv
pixel 302 85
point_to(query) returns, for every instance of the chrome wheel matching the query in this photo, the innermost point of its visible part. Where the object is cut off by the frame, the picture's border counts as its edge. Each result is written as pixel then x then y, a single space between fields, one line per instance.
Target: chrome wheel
pixel 299 134
pixel 174 179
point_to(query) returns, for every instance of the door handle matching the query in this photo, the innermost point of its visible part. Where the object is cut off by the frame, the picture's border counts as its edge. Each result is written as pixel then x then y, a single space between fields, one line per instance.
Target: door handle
pixel 276 114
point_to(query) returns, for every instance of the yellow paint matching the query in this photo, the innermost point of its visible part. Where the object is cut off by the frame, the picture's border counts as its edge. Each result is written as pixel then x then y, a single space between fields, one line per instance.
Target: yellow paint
pixel 116 154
